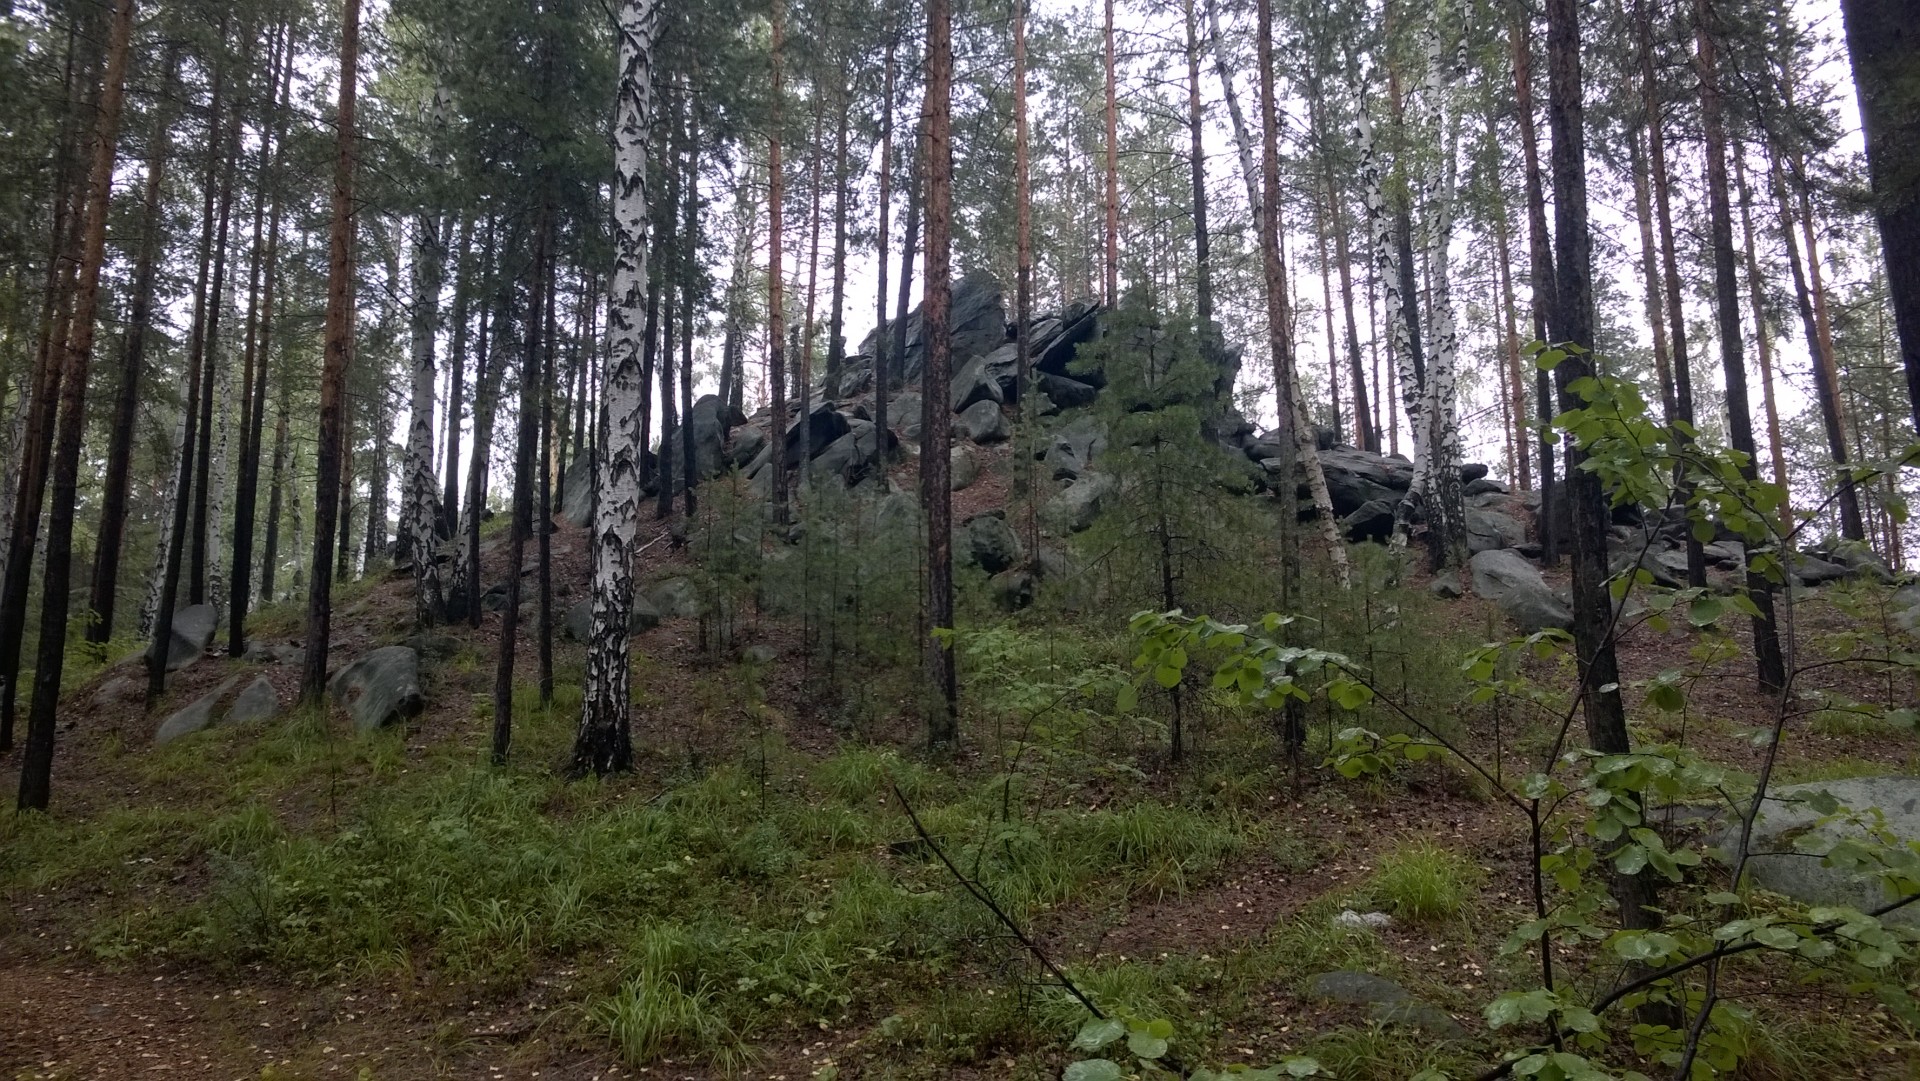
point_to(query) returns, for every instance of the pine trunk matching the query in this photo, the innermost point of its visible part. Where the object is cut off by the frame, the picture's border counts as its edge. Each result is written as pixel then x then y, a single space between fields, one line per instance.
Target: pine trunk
pixel 1770 664
pixel 1111 264
pixel 936 422
pixel 526 449
pixel 333 373
pixel 883 257
pixel 1540 270
pixel 36 765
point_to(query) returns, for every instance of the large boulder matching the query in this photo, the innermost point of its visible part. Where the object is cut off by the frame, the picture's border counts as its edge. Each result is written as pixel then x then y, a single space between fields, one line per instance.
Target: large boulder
pixel 903 415
pixel 1076 507
pixel 1507 579
pixel 1789 840
pixel 193 628
pixel 1079 324
pixel 1388 1002
pixel 1356 478
pixel 975 382
pixel 988 541
pixel 257 701
pixel 1490 529
pixel 577 494
pixel 380 688
pixel 827 424
pixel 983 422
pixel 749 441
pixel 1373 521
pixel 1812 570
pixel 1064 391
pixel 977 324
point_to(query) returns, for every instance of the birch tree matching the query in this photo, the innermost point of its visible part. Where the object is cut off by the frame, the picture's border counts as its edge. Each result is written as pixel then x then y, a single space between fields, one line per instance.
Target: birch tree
pixel 604 743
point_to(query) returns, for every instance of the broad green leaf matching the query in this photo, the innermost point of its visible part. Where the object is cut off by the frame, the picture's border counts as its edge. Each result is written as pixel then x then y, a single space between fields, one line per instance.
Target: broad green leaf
pixel 1098 1033
pixel 1093 1069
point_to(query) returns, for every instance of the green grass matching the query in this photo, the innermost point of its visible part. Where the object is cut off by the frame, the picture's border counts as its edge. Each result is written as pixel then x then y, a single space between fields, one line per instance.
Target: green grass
pixel 1422 883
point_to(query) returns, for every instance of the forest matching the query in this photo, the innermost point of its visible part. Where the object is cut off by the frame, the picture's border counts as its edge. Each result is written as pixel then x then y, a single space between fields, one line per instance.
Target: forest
pixel 912 539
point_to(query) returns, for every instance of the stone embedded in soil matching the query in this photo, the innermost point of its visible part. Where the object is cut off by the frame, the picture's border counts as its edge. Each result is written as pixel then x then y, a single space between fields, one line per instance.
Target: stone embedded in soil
pixel 962 469
pixel 983 422
pixel 1075 508
pixel 259 701
pixel 380 687
pixel 194 717
pixel 1390 1003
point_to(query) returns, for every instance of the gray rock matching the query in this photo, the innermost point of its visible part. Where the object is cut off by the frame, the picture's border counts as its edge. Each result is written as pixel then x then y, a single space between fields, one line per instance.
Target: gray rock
pixel 675 598
pixel 983 423
pixel 1446 586
pixel 975 382
pixel 1356 478
pixel 977 319
pixel 576 503
pixel 199 715
pixel 1905 604
pixel 193 628
pixel 1812 570
pixel 1623 564
pixel 903 415
pixel 1472 472
pixel 1054 564
pixel 759 653
pixel 826 423
pixel 117 690
pixel 988 541
pixel 1373 521
pixel 1722 553
pixel 962 469
pixel 259 701
pixel 1488 530
pixel 748 442
pixel 1788 842
pixel 1860 561
pixel 1065 392
pixel 1075 508
pixel 379 688
pixel 1013 589
pixel 1483 485
pixel 1351 986
pixel 1507 579
pixel 577 623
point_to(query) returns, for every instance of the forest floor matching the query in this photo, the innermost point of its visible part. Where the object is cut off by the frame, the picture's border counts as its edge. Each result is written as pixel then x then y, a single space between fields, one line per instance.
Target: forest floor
pixel 292 901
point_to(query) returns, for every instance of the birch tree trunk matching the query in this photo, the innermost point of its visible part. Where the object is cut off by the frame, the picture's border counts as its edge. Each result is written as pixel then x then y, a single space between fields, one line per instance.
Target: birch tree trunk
pixel 604 742
pixel 420 499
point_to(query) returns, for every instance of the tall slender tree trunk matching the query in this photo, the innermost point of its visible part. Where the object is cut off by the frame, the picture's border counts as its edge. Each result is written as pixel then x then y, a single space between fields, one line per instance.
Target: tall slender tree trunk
pixel 333 373
pixel 836 316
pixel 1768 659
pixel 133 359
pixel 36 765
pixel 543 500
pixel 880 427
pixel 525 454
pixel 258 347
pixel 420 499
pixel 803 364
pixel 201 540
pixel 1366 418
pixel 1820 348
pixel 456 362
pixel 1763 340
pixel 282 463
pixel 1670 266
pixel 1573 321
pixel 1111 264
pixel 660 305
pixel 1514 378
pixel 1210 343
pixel 936 418
pixel 1540 267
pixel 1650 272
pixel 689 293
pixel 776 310
pixel 1883 40
pixel 604 741
pixel 197 384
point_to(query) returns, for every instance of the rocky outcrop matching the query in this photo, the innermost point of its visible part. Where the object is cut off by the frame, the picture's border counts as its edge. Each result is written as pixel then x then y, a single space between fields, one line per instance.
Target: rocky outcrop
pixel 380 688
pixel 1077 505
pixel 987 541
pixel 193 628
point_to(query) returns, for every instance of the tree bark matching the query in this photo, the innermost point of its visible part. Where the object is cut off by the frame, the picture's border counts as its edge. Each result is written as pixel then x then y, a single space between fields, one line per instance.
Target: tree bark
pixel 604 741
pixel 133 359
pixel 1769 662
pixel 36 765
pixel 1763 340
pixel 836 317
pixel 880 427
pixel 1883 40
pixel 689 262
pixel 1540 267
pixel 1111 265
pixel 776 311
pixel 936 418
pixel 420 501
pixel 1820 347
pixel 333 372
pixel 526 446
